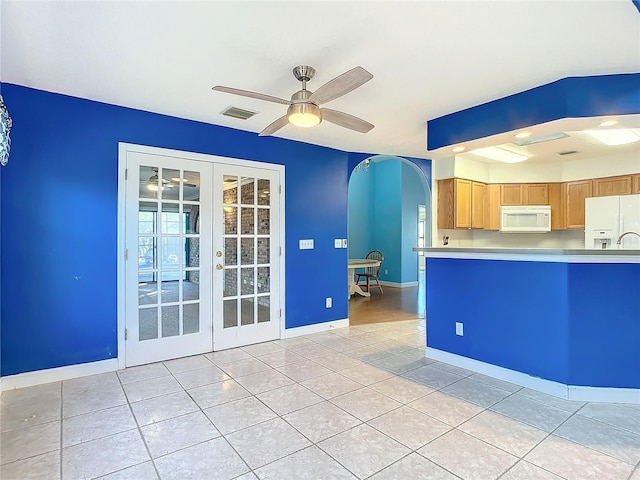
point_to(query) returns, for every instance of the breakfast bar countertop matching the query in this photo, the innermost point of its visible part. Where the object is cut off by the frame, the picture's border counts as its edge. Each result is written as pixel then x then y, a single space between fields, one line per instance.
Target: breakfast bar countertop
pixel 533 254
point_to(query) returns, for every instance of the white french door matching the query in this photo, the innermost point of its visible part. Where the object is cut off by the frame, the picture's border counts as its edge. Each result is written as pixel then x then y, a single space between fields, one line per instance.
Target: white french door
pixel 246 207
pixel 168 266
pixel 202 270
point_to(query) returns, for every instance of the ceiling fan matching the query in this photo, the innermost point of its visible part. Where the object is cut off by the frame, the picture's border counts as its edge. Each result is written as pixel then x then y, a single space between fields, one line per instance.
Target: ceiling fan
pixel 304 107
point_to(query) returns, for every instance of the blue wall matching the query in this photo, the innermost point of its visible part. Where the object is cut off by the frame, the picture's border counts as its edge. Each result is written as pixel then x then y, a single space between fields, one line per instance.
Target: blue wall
pixel 577 324
pixel 59 216
pixel 383 212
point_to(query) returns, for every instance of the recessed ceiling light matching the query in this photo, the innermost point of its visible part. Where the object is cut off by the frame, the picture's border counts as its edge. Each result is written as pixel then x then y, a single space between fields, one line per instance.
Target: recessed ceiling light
pixel 614 137
pixel 499 154
pixel 608 123
pixel 458 149
pixel 523 134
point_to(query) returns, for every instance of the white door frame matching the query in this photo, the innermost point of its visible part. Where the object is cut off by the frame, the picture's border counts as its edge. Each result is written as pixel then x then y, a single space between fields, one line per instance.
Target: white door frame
pixel 123 149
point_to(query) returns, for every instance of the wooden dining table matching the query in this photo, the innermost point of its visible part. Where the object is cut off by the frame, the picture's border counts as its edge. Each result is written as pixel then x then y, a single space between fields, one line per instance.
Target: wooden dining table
pixel 355 263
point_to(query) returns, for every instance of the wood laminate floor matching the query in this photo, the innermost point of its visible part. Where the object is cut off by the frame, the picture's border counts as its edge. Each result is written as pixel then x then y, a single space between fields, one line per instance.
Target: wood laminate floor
pixel 396 304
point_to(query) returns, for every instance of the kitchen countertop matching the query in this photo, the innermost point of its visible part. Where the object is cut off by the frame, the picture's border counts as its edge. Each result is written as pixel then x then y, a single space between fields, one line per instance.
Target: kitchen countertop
pixel 533 254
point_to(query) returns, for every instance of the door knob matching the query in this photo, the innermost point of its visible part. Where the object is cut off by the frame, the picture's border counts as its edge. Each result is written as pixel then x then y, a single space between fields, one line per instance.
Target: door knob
pixel 219 266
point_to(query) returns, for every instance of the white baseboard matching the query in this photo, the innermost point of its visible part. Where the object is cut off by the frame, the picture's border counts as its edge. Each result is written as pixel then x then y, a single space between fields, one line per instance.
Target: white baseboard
pixel 567 392
pixel 29 379
pixel 398 284
pixel 316 328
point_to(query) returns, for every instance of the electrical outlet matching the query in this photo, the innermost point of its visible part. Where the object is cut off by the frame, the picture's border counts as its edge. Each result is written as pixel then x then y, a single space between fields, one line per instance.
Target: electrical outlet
pixel 328 302
pixel 306 244
pixel 337 243
pixel 386 272
pixel 459 329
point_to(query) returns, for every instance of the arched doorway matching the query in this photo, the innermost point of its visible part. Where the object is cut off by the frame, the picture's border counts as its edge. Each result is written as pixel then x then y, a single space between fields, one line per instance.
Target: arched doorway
pixel 389 209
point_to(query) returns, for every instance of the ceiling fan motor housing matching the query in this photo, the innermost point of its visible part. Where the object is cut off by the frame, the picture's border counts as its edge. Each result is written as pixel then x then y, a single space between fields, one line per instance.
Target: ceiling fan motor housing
pixel 304 73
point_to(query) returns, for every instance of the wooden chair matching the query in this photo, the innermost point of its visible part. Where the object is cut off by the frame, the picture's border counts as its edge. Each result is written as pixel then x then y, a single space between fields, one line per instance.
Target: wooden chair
pixel 372 273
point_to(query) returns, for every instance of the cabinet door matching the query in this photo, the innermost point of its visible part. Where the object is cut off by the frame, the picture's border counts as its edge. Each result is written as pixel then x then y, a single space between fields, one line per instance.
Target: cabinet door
pixel 577 192
pixel 604 187
pixel 462 203
pixel 477 204
pixel 492 207
pixel 556 195
pixel 511 194
pixel 635 183
pixel 536 194
pixel 445 204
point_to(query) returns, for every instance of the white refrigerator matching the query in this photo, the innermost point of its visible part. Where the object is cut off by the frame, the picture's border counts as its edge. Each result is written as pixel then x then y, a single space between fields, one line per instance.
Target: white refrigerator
pixel 606 218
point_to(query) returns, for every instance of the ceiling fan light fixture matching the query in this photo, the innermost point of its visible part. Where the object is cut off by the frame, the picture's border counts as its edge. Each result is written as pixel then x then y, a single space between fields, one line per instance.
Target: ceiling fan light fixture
pixel 304 115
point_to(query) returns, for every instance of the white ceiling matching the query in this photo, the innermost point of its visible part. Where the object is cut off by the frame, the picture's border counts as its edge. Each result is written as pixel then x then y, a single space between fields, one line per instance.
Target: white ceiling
pixel 428 58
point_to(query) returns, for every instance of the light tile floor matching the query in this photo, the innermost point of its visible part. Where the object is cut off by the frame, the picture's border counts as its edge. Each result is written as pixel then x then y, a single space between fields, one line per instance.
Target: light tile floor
pixel 359 402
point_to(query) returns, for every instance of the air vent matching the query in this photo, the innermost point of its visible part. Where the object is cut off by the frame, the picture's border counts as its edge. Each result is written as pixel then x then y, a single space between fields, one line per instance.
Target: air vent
pixel 540 139
pixel 240 113
pixel 568 152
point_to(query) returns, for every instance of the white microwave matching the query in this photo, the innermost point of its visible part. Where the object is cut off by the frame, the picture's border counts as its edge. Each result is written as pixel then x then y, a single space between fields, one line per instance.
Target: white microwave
pixel 525 218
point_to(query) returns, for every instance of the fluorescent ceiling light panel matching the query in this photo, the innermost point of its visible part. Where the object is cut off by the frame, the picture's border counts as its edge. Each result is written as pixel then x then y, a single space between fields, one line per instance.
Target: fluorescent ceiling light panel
pixel 540 139
pixel 499 154
pixel 614 137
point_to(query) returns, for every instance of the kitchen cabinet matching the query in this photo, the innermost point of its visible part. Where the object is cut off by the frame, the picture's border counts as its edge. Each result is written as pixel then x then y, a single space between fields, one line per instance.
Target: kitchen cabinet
pixel 477 204
pixel 576 193
pixel 460 203
pixel 620 185
pixel 536 194
pixel 635 183
pixel 557 192
pixel 492 207
pixel 511 194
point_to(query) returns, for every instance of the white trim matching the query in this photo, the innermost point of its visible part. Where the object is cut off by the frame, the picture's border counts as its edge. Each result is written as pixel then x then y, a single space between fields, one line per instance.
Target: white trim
pixel 567 392
pixel 315 328
pixel 398 284
pixel 123 149
pixel 29 379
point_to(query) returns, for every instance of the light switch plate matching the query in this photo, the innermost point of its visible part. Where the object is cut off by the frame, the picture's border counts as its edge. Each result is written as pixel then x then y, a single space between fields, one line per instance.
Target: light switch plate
pixel 344 243
pixel 337 243
pixel 306 244
pixel 459 329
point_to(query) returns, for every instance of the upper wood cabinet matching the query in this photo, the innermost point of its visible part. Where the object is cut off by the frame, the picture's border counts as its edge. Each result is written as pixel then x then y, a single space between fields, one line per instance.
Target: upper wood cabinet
pixel 524 194
pixel 460 203
pixel 536 194
pixel 492 207
pixel 511 194
pixel 635 183
pixel 576 193
pixel 621 185
pixel 477 204
pixel 557 192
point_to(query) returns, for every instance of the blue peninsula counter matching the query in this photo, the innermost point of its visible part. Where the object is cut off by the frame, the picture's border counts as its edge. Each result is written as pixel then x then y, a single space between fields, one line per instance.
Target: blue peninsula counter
pixel 566 322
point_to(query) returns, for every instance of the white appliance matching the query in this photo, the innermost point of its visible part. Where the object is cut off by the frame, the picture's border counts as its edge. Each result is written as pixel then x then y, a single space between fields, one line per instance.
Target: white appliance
pixel 525 218
pixel 606 218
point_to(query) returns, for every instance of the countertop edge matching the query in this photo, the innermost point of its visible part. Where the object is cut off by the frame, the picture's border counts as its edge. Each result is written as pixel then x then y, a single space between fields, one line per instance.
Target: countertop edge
pixel 533 254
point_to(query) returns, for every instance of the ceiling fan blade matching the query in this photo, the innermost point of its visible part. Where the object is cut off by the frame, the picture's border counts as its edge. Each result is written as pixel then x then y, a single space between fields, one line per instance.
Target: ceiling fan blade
pixel 341 85
pixel 274 127
pixel 345 120
pixel 247 93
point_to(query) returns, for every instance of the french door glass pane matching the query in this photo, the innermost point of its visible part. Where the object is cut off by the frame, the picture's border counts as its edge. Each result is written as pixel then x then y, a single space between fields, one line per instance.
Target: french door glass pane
pixel 264 223
pixel 230 189
pixel 191 218
pixel 191 186
pixel 247 224
pixel 230 220
pixel 148 182
pixel 247 191
pixel 264 280
pixel 246 251
pixel 148 323
pixel 264 191
pixel 247 281
pixel 231 282
pixel 147 291
pixel 191 318
pixel 231 251
pixel 264 309
pixel 247 311
pixel 170 184
pixel 230 313
pixel 263 250
pixel 170 321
